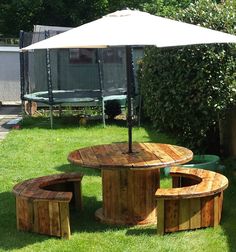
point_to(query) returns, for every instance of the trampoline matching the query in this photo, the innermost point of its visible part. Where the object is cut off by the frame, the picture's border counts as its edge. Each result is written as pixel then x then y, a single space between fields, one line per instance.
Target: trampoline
pixel 72 76
pixel 64 96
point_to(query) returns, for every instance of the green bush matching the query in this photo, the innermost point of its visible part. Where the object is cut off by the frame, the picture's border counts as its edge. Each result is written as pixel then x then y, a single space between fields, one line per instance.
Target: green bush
pixel 185 89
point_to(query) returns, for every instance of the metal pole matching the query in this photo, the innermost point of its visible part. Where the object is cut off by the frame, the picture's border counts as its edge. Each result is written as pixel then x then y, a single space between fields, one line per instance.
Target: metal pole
pixel 100 79
pixel 22 76
pixel 103 113
pixel 51 116
pixel 22 71
pixel 49 81
pixel 139 110
pixel 129 72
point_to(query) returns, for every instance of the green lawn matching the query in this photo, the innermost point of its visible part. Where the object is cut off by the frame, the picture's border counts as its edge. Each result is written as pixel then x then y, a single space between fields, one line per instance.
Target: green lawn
pixel 36 150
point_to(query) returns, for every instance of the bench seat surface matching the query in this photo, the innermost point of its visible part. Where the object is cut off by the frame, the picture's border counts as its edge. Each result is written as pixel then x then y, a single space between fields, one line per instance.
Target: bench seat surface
pixel 207 183
pixel 35 188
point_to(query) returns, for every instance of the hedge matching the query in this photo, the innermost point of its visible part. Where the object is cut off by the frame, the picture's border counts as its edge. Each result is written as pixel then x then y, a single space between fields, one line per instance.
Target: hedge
pixel 186 89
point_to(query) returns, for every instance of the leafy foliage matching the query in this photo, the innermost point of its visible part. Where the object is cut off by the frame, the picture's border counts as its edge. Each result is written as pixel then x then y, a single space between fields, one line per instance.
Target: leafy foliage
pixel 186 88
pixel 166 8
pixel 16 15
pixel 19 15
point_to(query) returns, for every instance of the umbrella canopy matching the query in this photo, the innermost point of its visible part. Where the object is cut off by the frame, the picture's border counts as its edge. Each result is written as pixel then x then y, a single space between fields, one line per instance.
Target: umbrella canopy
pixel 133 28
pixel 128 27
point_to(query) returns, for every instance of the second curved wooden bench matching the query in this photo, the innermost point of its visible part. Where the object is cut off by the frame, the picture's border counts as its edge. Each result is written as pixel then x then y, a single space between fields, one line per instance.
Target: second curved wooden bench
pixel 42 204
pixel 195 200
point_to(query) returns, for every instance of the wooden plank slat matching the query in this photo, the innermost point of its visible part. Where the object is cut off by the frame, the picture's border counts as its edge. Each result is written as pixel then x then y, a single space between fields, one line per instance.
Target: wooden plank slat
pixel 102 156
pixel 117 155
pixel 65 220
pixel 176 182
pixel 115 188
pixel 131 160
pixel 160 216
pixel 220 205
pixel 162 159
pixel 220 183
pixel 77 195
pixel 140 195
pixel 106 189
pixel 170 151
pixel 195 213
pixel 23 225
pixel 43 217
pixel 149 154
pixel 153 183
pixel 184 214
pixel 128 208
pixel 54 218
pixel 216 210
pixel 18 188
pixel 125 203
pixel 36 217
pixel 171 215
pixel 207 207
pixel 88 157
pixel 75 158
pixel 182 151
pixel 24 214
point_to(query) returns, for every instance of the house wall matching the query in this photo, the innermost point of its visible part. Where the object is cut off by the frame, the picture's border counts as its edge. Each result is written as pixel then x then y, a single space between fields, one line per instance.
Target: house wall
pixel 9 74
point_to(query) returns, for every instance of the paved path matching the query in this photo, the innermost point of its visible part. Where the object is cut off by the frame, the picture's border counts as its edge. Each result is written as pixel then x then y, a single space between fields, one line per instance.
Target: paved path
pixel 9 116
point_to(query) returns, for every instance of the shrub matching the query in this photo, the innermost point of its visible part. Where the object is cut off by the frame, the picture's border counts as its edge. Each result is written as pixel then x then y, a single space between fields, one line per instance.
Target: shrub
pixel 185 89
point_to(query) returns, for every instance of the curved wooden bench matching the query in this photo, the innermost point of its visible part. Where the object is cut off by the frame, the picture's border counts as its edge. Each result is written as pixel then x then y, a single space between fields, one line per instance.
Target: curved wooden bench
pixel 42 204
pixel 195 201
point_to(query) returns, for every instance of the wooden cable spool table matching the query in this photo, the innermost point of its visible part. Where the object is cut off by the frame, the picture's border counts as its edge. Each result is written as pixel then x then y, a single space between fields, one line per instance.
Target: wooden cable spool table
pixel 129 180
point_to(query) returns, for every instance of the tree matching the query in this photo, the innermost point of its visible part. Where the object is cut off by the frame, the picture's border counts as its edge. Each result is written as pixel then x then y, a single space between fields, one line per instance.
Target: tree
pixel 16 15
pixel 19 15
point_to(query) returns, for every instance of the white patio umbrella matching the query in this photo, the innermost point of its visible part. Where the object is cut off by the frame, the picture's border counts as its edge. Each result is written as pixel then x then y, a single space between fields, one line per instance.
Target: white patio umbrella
pixel 132 28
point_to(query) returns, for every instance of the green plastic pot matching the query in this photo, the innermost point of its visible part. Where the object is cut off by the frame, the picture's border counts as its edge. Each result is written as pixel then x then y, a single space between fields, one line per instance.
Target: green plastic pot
pixel 208 162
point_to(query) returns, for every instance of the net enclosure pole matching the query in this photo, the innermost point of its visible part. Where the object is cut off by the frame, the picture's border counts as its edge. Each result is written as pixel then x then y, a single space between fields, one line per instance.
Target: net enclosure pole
pixel 130 89
pixel 101 86
pixel 49 81
pixel 22 72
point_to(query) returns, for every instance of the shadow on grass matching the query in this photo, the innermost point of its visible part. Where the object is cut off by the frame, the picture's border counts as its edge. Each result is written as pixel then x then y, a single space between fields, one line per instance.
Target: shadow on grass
pixel 75 168
pixel 142 231
pixel 229 205
pixel 10 237
pixel 85 221
pixel 69 122
pixel 158 137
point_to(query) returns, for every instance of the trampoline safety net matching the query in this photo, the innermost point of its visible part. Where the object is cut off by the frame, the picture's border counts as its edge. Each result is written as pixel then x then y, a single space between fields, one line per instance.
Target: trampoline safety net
pixel 72 75
pixel 73 69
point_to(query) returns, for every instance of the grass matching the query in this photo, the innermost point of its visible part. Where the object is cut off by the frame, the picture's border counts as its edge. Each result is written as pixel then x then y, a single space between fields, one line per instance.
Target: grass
pixel 35 151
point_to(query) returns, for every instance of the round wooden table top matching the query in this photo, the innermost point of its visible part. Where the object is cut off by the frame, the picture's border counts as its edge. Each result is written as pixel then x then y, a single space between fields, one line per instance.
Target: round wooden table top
pixel 144 156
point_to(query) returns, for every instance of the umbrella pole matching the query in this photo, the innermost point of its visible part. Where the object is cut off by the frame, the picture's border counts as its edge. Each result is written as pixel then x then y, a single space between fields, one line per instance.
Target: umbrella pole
pixel 129 72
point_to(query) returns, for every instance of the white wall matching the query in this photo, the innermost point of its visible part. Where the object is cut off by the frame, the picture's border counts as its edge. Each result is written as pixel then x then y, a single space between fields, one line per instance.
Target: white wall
pixel 9 74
